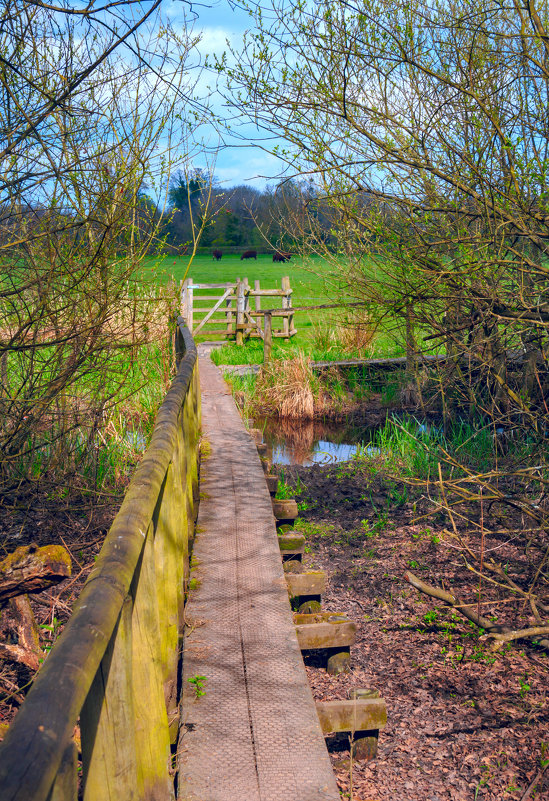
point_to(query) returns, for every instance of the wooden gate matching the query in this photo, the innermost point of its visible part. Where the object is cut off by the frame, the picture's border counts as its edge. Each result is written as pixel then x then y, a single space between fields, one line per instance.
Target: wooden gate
pixel 224 310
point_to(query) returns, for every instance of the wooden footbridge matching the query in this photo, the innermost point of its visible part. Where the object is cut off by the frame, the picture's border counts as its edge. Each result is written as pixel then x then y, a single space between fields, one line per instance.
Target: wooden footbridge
pixel 120 709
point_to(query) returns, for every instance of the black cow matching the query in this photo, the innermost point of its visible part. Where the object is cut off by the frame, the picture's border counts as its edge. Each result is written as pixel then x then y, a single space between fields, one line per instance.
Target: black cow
pixel 283 257
pixel 217 254
pixel 249 254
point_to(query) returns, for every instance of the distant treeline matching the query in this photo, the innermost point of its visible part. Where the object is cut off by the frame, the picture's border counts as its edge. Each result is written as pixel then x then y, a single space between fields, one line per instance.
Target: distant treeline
pixel 240 216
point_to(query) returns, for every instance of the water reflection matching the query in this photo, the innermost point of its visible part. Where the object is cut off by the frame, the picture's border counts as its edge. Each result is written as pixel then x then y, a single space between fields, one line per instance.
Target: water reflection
pixel 310 442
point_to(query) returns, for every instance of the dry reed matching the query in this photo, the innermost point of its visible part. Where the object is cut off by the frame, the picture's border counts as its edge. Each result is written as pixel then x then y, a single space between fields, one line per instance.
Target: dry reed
pixel 352 334
pixel 287 389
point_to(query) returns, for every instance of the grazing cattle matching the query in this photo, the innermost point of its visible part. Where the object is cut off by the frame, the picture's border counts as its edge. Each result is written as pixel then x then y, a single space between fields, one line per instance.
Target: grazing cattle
pixel 283 257
pixel 217 254
pixel 249 254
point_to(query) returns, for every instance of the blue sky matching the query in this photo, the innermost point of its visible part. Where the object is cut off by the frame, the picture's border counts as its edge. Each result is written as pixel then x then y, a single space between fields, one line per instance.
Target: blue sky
pixel 239 163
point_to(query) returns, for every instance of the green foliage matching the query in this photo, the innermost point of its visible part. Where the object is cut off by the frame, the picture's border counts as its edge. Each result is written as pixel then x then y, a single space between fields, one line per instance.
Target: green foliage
pixel 198 684
pixel 51 632
pixel 284 490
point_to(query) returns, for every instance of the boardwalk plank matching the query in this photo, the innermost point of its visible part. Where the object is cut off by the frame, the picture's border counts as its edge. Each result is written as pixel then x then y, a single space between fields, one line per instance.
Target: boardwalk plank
pixel 254 735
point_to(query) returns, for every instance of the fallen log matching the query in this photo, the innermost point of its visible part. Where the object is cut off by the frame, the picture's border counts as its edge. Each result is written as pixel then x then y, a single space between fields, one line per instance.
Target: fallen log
pixel 501 634
pixel 27 651
pixel 33 569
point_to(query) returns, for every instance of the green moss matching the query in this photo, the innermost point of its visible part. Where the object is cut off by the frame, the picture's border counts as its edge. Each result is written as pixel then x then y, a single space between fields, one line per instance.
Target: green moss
pixel 291 542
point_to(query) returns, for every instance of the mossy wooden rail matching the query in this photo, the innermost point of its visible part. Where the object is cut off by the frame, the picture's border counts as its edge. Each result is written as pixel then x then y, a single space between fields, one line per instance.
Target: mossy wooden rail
pixel 114 668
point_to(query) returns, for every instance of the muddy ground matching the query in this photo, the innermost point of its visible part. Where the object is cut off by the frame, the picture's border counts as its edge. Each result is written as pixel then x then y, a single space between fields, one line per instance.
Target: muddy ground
pixel 464 721
pixel 81 530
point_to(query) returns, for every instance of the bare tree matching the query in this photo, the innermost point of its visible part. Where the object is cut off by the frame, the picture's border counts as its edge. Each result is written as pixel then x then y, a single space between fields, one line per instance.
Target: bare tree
pixel 425 126
pixel 88 122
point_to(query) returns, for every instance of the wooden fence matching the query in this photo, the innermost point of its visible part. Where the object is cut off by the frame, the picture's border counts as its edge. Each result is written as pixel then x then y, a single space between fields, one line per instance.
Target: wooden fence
pixel 114 669
pixel 227 310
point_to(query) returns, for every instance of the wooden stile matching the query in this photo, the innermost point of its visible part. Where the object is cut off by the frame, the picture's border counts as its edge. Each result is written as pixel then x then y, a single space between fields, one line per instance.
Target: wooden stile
pixel 221 319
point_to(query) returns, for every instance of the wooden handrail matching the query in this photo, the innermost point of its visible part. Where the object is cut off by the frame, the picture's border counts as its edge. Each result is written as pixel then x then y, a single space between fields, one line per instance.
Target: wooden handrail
pixel 109 653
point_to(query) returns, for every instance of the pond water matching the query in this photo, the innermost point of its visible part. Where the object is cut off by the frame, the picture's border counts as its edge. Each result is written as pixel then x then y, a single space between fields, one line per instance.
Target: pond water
pixel 308 442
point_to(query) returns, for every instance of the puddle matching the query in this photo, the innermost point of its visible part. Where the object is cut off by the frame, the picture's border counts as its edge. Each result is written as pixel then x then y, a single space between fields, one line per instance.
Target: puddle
pixel 136 439
pixel 314 442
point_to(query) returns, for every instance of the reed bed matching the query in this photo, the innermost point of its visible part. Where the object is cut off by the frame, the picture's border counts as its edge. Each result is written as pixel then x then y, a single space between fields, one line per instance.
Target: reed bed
pixel 287 388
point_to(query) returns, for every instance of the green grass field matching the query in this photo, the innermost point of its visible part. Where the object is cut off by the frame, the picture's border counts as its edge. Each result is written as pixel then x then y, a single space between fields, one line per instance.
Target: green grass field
pixel 310 283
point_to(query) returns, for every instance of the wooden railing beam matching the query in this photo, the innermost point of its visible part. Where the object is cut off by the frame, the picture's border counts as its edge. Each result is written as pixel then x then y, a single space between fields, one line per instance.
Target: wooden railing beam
pixel 101 658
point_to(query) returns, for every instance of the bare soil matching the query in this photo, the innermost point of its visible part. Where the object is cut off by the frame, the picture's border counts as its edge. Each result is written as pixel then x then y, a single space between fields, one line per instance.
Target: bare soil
pixel 464 721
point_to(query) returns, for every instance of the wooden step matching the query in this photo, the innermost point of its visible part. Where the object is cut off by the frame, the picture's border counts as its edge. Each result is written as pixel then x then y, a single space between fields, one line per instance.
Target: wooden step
pixel 353 716
pixel 310 583
pixel 285 509
pixel 291 545
pixel 324 630
pixel 361 717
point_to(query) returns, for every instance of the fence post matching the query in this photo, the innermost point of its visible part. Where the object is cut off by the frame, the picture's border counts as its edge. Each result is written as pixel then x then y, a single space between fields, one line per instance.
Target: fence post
pixel 229 315
pixel 257 299
pixel 291 315
pixel 189 305
pixel 286 303
pixel 239 311
pixel 267 336
pixel 247 328
pixel 183 297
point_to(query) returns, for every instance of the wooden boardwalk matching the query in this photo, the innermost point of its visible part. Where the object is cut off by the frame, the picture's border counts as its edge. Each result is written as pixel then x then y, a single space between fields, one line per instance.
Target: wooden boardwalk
pixel 395 363
pixel 254 734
